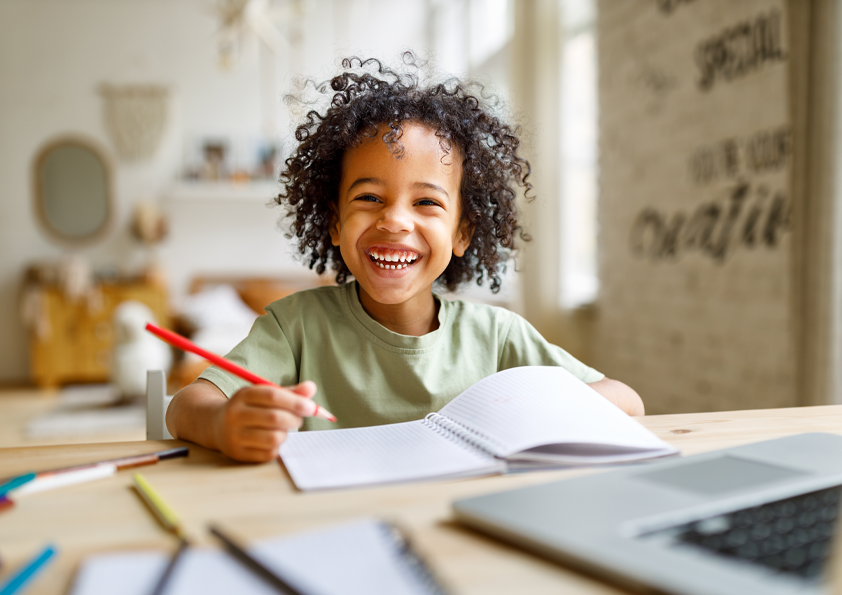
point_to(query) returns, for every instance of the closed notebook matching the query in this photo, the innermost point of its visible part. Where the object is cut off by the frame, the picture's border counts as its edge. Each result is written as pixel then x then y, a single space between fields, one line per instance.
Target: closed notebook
pixel 528 417
pixel 360 557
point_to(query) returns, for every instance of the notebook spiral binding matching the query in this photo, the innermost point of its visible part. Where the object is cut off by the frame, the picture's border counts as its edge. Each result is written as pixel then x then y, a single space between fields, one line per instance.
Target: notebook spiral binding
pixel 416 565
pixel 453 430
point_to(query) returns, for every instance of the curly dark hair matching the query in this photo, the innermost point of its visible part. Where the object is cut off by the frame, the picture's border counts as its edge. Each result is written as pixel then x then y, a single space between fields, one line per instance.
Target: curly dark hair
pixel 367 95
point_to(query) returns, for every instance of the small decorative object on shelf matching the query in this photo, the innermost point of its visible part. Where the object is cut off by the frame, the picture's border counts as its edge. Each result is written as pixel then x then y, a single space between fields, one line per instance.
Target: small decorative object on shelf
pixel 149 226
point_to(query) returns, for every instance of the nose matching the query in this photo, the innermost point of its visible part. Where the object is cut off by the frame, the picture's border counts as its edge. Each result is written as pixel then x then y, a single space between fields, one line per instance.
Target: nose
pixel 395 218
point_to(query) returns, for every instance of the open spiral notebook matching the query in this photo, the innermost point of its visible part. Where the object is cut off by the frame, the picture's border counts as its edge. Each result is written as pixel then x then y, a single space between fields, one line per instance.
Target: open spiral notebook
pixel 363 556
pixel 529 417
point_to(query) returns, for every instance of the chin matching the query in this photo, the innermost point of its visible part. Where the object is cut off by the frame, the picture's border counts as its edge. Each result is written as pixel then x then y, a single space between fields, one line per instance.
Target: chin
pixel 389 298
pixel 381 293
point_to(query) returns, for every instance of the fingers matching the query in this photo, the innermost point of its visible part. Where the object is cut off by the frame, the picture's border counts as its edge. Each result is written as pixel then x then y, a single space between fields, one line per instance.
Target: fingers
pixel 269 419
pixel 241 411
pixel 256 455
pixel 306 389
pixel 295 400
pixel 261 439
pixel 254 422
pixel 253 445
pixel 248 454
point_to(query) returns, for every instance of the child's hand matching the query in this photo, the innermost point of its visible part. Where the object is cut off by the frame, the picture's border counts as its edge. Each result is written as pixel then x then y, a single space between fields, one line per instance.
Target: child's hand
pixel 254 422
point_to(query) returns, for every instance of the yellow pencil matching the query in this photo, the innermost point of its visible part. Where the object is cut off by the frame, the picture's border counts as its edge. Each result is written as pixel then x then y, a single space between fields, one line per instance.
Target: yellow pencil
pixel 162 511
pixel 169 520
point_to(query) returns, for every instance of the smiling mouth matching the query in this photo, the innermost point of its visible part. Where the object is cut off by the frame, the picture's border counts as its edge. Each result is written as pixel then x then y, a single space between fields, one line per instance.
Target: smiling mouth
pixel 392 259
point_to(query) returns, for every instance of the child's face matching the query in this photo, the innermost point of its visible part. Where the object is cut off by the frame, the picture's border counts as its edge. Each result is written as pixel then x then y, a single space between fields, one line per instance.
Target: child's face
pixel 399 220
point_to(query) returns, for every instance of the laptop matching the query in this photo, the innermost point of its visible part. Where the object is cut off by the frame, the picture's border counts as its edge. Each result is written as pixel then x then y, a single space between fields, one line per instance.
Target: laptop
pixel 757 518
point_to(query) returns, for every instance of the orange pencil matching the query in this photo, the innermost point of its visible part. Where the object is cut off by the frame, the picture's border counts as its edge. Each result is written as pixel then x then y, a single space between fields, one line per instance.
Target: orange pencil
pixel 177 340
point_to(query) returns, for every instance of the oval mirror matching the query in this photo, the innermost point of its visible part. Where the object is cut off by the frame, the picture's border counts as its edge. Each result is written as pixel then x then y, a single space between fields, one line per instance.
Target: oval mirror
pixel 73 190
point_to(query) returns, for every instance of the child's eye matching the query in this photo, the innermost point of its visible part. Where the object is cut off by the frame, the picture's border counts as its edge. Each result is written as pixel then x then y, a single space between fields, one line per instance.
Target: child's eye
pixel 368 198
pixel 426 202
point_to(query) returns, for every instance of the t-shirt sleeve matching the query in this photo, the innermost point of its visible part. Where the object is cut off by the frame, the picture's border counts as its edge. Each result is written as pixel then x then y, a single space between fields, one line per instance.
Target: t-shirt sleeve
pixel 265 351
pixel 523 345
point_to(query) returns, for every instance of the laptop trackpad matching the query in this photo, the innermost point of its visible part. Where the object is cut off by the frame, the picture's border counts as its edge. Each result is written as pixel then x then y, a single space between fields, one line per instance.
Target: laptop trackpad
pixel 719 475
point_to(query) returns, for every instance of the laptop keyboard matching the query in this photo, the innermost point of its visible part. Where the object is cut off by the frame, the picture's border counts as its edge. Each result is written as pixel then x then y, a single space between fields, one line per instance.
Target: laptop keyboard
pixel 790 536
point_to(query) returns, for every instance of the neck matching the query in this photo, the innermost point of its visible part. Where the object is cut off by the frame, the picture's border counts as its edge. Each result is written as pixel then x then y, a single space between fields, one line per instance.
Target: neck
pixel 415 318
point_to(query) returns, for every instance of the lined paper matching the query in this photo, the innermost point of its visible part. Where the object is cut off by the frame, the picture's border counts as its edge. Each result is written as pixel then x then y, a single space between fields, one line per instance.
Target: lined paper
pixel 522 408
pixel 379 454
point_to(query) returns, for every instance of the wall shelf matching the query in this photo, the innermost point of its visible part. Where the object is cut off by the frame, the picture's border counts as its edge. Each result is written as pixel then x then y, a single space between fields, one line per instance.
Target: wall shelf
pixel 263 191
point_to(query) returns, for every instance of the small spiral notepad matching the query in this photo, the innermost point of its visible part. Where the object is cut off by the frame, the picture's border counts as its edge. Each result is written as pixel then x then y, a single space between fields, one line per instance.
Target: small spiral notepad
pixel 365 556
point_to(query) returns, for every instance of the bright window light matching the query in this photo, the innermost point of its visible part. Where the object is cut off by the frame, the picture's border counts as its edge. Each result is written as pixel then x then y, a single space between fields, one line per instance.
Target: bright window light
pixel 578 274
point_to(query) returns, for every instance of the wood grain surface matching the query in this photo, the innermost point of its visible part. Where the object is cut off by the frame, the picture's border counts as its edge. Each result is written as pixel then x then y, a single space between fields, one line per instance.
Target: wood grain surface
pixel 259 501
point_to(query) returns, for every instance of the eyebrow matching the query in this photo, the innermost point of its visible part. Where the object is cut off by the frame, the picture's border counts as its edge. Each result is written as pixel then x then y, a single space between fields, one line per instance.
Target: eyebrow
pixel 379 182
pixel 431 186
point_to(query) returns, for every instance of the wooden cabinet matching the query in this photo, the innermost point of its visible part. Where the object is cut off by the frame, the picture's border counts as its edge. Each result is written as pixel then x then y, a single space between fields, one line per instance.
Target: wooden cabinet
pixel 78 341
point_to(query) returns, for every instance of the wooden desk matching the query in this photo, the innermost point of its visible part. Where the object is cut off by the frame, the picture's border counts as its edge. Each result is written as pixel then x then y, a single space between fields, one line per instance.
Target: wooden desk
pixel 259 501
pixel 20 406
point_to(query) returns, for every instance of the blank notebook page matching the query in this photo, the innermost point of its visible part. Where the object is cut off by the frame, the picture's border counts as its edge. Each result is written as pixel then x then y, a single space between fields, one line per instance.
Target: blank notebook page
pixel 377 454
pixel 530 406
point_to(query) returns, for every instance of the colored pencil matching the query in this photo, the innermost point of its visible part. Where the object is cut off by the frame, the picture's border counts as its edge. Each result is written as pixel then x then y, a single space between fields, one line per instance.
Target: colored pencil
pixel 19 579
pixel 170 521
pixel 128 462
pixel 253 564
pixel 5 503
pixel 59 480
pixel 163 512
pixel 12 483
pixel 177 340
pixel 164 579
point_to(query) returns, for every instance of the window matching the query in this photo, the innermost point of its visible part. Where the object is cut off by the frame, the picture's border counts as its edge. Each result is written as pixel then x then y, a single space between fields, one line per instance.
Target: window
pixel 579 159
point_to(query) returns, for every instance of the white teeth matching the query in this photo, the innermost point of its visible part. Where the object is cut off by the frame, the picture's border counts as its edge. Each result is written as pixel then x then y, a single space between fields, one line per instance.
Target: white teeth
pixel 382 258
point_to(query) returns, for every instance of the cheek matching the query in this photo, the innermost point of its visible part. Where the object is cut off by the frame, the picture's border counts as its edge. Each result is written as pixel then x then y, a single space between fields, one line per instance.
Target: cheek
pixel 349 230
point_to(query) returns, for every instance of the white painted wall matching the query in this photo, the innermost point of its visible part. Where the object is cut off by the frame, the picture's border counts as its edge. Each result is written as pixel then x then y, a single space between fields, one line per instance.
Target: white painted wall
pixel 54 54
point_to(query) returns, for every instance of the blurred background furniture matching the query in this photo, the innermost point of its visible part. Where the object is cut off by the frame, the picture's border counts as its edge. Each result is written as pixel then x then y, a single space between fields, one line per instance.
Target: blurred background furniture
pixel 73 341
pixel 219 311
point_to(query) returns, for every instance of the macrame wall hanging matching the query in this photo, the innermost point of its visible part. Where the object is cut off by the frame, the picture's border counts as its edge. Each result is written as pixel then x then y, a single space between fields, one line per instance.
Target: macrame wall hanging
pixel 135 116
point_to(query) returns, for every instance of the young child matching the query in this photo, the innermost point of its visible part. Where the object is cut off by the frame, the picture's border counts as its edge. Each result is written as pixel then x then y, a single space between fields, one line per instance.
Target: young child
pixel 397 186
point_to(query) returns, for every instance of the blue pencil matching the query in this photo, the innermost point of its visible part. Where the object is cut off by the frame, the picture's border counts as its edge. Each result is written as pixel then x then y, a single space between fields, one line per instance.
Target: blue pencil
pixel 28 572
pixel 16 483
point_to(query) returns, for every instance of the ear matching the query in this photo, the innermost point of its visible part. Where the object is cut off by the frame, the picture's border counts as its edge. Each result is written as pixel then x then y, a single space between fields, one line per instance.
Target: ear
pixel 333 230
pixel 462 238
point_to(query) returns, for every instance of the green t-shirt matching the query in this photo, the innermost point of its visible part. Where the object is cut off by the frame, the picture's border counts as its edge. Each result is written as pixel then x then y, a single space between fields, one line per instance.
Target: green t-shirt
pixel 368 375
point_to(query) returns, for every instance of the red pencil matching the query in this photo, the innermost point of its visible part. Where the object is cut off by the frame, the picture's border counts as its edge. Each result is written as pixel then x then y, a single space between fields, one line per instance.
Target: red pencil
pixel 177 340
pixel 5 503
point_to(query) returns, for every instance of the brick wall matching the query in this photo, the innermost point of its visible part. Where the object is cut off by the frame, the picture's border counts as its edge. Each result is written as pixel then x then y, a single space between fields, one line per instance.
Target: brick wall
pixel 695 303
